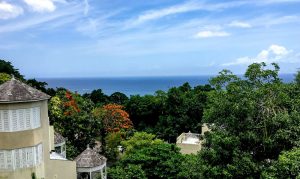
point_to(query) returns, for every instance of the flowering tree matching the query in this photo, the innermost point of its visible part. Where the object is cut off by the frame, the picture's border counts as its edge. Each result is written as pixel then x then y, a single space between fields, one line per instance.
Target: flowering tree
pixel 114 118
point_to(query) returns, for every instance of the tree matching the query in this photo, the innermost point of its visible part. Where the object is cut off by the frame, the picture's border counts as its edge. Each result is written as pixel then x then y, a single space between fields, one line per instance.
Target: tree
pixel 112 141
pixel 97 97
pixel 183 111
pixel 255 119
pixel 287 166
pixel 190 167
pixel 8 68
pixel 4 78
pixel 114 118
pixel 145 110
pixel 118 98
pixel 37 84
pixel 297 78
pixel 139 140
pixel 130 171
pixel 156 158
pixel 72 116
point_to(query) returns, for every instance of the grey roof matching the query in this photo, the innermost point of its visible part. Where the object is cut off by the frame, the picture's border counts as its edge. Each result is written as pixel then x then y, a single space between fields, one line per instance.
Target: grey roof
pixel 58 138
pixel 15 91
pixel 89 159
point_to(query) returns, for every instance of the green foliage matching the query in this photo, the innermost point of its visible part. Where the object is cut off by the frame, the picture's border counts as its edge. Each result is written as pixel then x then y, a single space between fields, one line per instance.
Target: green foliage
pixel 297 78
pixel 169 114
pixel 118 98
pixel 38 85
pixel 71 115
pixel 156 158
pixel 97 97
pixel 130 171
pixel 191 167
pixel 112 141
pixel 254 119
pixel 287 166
pixel 4 78
pixel 8 68
pixel 139 140
pixel 33 176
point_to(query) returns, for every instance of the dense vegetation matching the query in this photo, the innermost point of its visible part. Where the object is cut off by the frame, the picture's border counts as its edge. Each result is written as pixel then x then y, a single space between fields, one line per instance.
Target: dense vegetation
pixel 254 121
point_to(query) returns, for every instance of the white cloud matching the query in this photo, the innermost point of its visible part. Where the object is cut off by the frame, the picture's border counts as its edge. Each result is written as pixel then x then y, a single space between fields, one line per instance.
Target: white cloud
pixel 155 14
pixel 42 19
pixel 41 5
pixel 208 33
pixel 275 53
pixel 8 11
pixel 239 24
pixel 188 6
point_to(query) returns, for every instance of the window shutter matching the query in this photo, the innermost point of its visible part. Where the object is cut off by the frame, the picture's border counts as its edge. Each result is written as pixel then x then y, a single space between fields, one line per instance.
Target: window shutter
pixel 2 160
pixel 27 118
pixel 9 163
pixel 5 120
pixel 14 120
pixel 1 121
pixel 22 119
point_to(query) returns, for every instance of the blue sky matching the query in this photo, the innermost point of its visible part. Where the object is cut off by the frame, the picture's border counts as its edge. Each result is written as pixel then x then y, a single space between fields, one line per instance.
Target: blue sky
pixel 98 38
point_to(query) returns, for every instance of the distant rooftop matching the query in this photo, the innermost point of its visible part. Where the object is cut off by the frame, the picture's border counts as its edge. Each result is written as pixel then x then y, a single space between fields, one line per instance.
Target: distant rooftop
pixel 189 138
pixel 14 91
pixel 89 159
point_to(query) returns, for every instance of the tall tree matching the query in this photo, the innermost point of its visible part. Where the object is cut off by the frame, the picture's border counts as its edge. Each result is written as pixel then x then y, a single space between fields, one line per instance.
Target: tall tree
pixel 8 68
pixel 255 118
pixel 72 116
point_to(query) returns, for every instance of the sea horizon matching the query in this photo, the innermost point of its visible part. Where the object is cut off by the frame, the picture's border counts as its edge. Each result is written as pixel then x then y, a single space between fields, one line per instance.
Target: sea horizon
pixel 132 85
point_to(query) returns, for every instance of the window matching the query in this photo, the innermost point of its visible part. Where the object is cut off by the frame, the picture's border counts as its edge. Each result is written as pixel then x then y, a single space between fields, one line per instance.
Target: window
pixel 20 119
pixel 21 158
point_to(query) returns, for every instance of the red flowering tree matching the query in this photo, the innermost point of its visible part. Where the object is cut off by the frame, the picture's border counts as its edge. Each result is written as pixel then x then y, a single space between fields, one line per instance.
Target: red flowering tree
pixel 114 118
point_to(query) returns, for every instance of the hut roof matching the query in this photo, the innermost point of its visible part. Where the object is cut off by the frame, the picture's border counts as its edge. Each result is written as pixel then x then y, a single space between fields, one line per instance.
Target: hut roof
pixel 14 91
pixel 89 159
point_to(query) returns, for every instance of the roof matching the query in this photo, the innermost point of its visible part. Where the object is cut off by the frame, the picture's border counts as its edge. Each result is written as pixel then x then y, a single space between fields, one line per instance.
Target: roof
pixel 89 159
pixel 14 91
pixel 58 138
pixel 56 156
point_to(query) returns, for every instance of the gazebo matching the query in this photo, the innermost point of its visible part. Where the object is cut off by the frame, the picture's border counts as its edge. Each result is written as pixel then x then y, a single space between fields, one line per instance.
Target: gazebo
pixel 89 161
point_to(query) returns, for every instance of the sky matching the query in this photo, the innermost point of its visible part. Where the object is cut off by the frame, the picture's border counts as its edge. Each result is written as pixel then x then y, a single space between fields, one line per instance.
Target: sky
pixel 113 38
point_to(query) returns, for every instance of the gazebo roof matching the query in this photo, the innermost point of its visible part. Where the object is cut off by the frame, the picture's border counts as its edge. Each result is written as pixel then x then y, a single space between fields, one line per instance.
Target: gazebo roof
pixel 89 159
pixel 58 138
pixel 14 91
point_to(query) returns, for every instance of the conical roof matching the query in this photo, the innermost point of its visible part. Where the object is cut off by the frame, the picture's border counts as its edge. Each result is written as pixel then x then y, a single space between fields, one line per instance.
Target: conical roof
pixel 89 159
pixel 14 91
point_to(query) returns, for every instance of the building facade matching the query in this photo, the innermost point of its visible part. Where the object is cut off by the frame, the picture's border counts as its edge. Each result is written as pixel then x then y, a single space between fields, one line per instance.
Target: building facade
pixel 26 139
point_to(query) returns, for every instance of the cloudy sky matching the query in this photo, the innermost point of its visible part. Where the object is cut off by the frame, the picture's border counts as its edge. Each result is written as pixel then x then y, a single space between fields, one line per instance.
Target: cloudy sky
pixel 97 38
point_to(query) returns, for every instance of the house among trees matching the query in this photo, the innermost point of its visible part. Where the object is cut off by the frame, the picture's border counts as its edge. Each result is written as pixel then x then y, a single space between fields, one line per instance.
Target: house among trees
pixel 26 139
pixel 191 143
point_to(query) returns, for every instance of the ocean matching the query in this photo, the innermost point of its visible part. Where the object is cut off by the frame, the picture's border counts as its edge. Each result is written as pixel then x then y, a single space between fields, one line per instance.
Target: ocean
pixel 131 85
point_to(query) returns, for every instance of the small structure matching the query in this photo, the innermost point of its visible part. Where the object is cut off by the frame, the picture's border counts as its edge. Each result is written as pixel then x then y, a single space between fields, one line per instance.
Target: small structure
pixel 90 162
pixel 190 143
pixel 59 144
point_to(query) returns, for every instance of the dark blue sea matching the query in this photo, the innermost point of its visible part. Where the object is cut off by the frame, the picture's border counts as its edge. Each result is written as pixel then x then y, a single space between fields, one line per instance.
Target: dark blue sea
pixel 131 85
